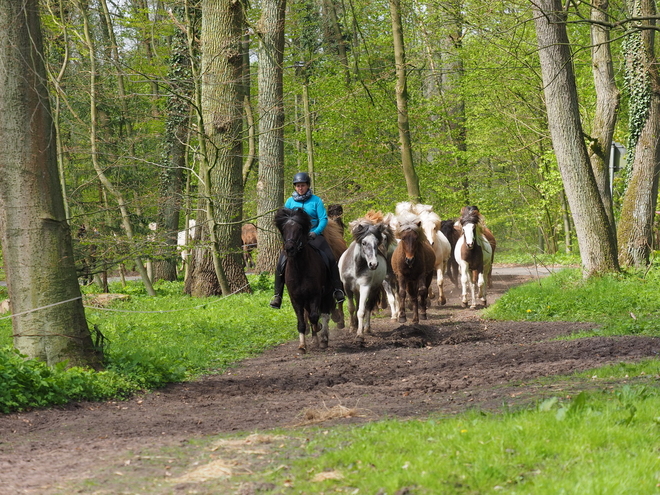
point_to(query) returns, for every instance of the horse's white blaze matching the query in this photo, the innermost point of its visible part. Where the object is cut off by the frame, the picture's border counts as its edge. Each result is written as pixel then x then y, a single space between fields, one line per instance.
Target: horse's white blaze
pixel 468 232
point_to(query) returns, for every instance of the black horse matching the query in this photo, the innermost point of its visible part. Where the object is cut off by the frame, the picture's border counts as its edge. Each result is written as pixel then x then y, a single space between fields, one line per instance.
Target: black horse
pixel 306 276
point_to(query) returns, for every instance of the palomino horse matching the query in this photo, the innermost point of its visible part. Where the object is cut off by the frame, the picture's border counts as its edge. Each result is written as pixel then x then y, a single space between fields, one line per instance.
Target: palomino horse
pixel 413 261
pixel 363 268
pixel 306 277
pixel 474 256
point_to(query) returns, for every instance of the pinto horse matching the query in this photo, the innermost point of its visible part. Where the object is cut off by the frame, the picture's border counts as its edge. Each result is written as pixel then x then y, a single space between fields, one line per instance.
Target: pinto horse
pixel 474 256
pixel 363 268
pixel 306 276
pixel 413 262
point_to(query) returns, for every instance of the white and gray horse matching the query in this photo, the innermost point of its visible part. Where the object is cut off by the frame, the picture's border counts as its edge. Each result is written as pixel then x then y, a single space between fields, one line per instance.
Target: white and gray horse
pixel 363 268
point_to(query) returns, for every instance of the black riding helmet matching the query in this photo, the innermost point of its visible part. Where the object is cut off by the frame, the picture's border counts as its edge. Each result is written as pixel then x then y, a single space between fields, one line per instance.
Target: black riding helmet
pixel 301 177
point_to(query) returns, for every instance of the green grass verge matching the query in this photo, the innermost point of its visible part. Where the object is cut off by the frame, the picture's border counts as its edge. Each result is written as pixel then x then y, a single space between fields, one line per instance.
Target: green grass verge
pixel 620 304
pixel 603 443
pixel 150 341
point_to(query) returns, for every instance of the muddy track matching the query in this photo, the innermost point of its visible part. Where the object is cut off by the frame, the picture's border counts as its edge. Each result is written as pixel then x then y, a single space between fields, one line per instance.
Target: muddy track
pixel 448 363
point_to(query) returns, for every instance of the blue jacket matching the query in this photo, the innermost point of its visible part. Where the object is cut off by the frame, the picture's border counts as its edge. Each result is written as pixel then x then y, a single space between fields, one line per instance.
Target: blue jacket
pixel 315 208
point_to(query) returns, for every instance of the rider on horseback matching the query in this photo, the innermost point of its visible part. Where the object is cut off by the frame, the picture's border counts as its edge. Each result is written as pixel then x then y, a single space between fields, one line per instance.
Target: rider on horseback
pixel 302 197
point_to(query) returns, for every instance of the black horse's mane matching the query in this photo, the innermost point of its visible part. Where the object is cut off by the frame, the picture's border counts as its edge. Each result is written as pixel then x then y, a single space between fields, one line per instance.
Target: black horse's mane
pixel 363 229
pixel 298 215
pixel 471 217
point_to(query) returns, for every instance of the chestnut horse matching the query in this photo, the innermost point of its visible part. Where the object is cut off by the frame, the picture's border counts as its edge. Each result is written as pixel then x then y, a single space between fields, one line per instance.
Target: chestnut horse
pixel 474 256
pixel 413 262
pixel 249 238
pixel 306 276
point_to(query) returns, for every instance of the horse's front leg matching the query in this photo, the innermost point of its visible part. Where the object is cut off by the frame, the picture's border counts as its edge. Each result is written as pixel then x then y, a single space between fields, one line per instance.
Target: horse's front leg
pixel 474 288
pixel 413 292
pixel 362 317
pixel 465 281
pixel 350 295
pixel 314 315
pixel 401 301
pixel 391 299
pixel 302 327
pixel 482 289
pixel 324 330
pixel 440 279
pixel 422 295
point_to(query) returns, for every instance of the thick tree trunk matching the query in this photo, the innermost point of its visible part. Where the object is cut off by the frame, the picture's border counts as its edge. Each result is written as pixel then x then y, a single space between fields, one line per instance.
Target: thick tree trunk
pixel 270 184
pixel 412 181
pixel 222 108
pixel 49 319
pixel 595 236
pixel 176 142
pixel 638 209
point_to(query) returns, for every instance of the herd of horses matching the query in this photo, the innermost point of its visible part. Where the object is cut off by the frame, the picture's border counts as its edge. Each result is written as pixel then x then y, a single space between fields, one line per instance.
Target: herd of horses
pixel 392 257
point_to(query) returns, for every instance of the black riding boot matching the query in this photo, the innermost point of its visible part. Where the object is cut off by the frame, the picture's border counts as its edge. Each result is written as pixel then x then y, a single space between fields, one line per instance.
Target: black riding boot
pixel 338 293
pixel 276 301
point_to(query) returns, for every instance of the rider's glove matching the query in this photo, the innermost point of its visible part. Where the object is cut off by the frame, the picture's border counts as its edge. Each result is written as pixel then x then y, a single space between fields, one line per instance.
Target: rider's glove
pixel 312 236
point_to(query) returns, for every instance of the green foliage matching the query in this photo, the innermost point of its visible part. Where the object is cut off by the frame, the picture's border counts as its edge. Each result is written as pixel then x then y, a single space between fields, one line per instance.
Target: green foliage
pixel 150 342
pixel 28 383
pixel 601 443
pixel 621 304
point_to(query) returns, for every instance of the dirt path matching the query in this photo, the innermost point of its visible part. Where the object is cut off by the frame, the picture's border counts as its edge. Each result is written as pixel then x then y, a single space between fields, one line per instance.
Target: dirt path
pixel 451 362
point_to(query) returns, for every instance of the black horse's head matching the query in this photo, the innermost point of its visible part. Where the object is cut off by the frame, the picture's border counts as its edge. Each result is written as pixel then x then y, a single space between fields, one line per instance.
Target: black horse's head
pixel 294 225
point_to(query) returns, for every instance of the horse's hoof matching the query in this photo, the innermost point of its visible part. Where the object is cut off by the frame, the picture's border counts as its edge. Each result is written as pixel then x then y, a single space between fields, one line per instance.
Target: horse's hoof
pixel 422 317
pixel 323 345
pixel 402 319
pixel 473 306
pixel 464 304
pixel 340 325
pixel 443 301
pixel 302 350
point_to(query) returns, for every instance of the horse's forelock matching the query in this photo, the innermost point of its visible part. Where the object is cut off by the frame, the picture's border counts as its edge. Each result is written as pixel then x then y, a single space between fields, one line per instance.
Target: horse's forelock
pixel 297 215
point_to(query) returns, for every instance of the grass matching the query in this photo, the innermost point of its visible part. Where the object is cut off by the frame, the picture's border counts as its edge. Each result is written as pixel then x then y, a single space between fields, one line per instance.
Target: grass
pixel 149 342
pixel 604 443
pixel 620 304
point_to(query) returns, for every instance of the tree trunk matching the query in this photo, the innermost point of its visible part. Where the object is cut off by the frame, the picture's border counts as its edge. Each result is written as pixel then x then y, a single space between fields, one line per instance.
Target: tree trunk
pixel 607 104
pixel 412 181
pixel 639 202
pixel 270 184
pixel 594 234
pixel 176 143
pixel 49 319
pixel 222 108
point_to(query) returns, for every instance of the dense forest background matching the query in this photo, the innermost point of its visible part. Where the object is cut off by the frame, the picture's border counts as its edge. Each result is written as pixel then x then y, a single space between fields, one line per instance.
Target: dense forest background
pixel 124 75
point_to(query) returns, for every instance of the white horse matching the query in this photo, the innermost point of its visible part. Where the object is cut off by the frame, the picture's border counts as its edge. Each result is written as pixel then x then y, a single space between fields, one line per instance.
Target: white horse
pixel 474 256
pixel 363 268
pixel 431 224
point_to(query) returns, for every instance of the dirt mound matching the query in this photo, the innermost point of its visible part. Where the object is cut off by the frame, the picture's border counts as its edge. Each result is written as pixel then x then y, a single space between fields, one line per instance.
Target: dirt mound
pixel 448 363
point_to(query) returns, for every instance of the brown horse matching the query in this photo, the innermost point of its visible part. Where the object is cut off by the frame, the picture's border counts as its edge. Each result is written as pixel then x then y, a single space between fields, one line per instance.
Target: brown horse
pixel 249 238
pixel 485 231
pixel 474 256
pixel 306 277
pixel 413 263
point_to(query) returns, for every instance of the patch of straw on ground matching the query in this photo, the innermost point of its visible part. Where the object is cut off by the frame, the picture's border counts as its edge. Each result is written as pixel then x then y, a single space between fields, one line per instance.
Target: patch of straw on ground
pixel 315 415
